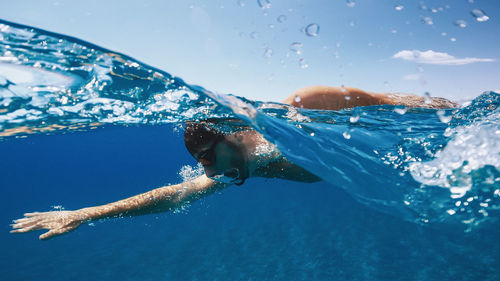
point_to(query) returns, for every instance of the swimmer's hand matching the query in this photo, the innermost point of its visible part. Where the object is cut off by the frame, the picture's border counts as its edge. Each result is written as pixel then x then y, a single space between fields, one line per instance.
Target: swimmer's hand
pixel 157 200
pixel 57 222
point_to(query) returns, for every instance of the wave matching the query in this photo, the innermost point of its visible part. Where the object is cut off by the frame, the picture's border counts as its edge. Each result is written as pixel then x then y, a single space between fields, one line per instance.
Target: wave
pixel 422 165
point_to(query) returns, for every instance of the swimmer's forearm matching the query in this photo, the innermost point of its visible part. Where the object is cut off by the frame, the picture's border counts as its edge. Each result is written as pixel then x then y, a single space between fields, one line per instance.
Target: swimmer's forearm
pixel 156 200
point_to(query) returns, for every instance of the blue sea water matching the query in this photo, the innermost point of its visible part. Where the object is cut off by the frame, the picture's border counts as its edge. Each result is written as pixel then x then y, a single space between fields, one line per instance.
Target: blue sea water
pixel 407 194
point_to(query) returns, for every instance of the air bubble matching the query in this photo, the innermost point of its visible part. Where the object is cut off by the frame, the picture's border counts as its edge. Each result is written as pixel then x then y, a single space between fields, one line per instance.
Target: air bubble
pixel 346 135
pixel 398 7
pixel 296 47
pixel 312 30
pixel 480 15
pixel 460 23
pixel 264 4
pixel 281 18
pixel 350 3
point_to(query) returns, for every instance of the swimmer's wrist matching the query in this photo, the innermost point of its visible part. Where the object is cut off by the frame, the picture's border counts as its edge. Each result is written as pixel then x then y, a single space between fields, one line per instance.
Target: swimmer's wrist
pixel 91 213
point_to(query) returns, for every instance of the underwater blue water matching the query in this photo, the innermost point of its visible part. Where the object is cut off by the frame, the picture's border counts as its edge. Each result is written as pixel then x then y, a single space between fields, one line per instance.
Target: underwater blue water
pixel 407 194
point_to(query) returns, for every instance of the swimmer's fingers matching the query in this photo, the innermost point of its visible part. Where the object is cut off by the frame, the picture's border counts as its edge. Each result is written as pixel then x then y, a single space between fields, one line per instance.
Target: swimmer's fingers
pixel 56 232
pixel 28 215
pixel 57 222
pixel 31 224
pixel 25 228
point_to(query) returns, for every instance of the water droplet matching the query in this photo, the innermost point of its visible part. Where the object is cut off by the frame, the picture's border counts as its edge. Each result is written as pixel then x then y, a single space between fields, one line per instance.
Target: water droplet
pixel 264 4
pixel 268 52
pixel 443 117
pixel 451 212
pixel 352 23
pixel 443 34
pixel 434 10
pixel 428 99
pixel 400 110
pixel 346 135
pixel 354 119
pixel 460 23
pixel 342 89
pixel 394 31
pixel 347 97
pixel 296 47
pixel 453 39
pixel 281 18
pixel 427 20
pixel 480 15
pixel 191 6
pixel 303 64
pixel 350 3
pixel 271 26
pixel 312 30
pixel 398 7
pixel 312 134
pixel 253 35
pixel 297 98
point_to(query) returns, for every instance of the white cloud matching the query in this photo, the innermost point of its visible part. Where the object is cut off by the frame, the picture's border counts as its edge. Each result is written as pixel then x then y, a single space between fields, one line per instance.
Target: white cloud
pixel 431 57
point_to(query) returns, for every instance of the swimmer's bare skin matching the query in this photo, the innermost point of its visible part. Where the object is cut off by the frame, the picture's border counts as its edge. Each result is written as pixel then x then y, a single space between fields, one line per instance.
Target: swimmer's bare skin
pixel 337 98
pixel 168 197
pixel 156 200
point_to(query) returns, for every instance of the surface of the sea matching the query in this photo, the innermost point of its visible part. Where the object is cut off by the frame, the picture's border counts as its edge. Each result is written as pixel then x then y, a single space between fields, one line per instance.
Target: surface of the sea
pixel 407 194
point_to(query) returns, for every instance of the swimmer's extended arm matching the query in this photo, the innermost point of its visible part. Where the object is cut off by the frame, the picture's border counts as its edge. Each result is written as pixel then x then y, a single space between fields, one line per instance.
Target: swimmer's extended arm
pixel 156 200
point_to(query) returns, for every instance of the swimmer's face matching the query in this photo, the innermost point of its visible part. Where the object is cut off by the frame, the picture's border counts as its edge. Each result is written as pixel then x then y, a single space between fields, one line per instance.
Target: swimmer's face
pixel 222 156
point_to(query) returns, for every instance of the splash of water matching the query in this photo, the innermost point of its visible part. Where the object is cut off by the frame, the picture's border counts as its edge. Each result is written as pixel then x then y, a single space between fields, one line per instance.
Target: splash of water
pixel 48 78
pixel 407 162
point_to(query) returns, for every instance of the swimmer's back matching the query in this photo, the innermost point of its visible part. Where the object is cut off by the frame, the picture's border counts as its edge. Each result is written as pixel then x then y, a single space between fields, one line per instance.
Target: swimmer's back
pixel 336 98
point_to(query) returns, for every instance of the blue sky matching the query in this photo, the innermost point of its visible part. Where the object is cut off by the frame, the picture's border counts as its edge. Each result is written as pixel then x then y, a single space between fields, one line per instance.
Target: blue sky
pixel 238 47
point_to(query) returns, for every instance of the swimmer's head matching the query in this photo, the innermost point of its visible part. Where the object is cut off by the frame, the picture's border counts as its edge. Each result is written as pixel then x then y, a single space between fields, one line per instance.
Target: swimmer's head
pixel 222 155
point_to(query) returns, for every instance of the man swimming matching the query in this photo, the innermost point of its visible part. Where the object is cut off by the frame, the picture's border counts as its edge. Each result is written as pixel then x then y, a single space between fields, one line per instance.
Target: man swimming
pixel 226 158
